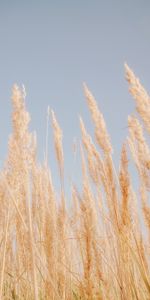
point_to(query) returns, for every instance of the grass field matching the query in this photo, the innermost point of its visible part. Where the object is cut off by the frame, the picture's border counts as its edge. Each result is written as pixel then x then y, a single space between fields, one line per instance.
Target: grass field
pixel 99 249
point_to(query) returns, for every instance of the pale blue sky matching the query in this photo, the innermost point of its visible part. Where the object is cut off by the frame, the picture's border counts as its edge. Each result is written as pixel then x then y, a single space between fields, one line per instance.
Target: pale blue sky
pixel 52 47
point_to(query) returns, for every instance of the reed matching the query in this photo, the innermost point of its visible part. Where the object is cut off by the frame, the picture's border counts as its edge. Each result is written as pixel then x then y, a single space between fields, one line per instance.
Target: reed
pixel 95 248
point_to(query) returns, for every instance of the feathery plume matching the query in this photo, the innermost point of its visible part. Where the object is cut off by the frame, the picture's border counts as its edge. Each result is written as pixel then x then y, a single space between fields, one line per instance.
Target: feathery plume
pixel 101 134
pixel 58 143
pixel 140 95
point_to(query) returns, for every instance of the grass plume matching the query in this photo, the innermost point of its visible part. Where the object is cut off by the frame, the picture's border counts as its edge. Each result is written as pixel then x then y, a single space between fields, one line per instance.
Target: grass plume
pixel 95 248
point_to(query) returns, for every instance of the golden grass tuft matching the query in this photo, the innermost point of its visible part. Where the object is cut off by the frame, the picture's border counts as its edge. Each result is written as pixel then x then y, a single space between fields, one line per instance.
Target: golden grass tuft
pixel 98 246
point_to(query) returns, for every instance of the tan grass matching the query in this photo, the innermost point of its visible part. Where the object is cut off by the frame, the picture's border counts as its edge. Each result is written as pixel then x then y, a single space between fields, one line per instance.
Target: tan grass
pixel 98 246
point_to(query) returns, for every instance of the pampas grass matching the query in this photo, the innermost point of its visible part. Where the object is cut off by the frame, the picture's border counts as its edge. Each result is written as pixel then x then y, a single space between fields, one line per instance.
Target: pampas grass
pixel 98 246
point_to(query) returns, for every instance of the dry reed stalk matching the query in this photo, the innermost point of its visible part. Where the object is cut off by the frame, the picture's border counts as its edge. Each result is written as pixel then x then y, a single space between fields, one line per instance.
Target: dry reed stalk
pixel 98 170
pixel 21 147
pixel 58 144
pixel 31 238
pixel 140 95
pixel 125 188
pixel 46 140
pixel 111 192
pixel 49 231
pixel 62 216
pixel 93 156
pixel 142 158
pixel 136 134
pixel 145 206
pixel 97 167
pixel 63 248
pixel 4 253
pixel 101 134
pixel 88 231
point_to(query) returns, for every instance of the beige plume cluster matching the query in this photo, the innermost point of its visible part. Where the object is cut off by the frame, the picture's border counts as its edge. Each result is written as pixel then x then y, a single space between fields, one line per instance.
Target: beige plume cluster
pixel 93 244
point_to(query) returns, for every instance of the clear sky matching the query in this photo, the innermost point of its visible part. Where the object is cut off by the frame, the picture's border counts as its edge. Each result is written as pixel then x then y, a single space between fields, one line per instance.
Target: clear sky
pixel 52 47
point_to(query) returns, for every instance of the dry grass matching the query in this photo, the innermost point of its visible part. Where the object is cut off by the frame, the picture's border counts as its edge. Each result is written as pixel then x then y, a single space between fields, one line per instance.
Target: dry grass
pixel 98 249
